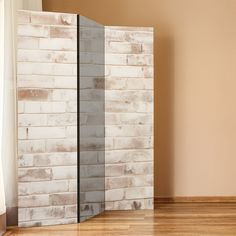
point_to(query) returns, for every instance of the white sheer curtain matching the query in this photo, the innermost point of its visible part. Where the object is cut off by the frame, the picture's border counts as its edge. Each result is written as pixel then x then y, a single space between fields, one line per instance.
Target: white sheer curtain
pixel 8 122
pixel 2 195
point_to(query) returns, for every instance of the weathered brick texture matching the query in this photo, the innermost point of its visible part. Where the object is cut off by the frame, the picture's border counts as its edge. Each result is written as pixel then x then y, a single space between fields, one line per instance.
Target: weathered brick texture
pixel 47 117
pixel 129 118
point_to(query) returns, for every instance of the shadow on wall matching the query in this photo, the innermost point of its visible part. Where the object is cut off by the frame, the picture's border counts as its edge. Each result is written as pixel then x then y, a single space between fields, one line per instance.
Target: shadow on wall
pixel 164 115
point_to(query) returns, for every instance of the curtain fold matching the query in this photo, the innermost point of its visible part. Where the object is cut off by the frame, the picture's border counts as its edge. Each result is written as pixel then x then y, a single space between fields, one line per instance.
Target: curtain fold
pixel 2 194
pixel 8 123
pixel 9 105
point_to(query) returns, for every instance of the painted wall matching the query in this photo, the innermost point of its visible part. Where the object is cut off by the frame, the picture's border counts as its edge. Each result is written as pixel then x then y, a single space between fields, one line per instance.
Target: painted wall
pixel 195 112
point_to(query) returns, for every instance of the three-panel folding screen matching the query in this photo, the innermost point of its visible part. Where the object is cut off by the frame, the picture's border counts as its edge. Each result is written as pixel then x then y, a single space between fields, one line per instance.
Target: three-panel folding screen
pixel 61 121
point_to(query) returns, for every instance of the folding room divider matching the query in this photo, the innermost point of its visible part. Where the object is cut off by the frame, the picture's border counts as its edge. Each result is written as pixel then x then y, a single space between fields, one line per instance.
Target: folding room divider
pixel 71 72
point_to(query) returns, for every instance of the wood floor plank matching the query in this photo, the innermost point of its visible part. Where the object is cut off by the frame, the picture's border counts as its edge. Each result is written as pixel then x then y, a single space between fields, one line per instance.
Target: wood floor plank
pixel 174 219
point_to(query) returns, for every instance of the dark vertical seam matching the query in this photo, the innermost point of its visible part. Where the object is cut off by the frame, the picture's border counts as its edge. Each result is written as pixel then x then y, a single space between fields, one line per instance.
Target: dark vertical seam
pixel 78 118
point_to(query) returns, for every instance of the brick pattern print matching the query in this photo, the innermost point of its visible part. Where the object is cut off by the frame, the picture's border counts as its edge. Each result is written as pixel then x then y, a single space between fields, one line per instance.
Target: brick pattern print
pixel 47 118
pixel 129 118
pixel 92 118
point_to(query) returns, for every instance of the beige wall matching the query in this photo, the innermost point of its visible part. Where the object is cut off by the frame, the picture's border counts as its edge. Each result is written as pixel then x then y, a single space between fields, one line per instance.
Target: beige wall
pixel 195 80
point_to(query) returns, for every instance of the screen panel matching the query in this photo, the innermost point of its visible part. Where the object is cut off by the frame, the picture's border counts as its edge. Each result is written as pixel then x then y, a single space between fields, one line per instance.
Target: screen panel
pixel 61 118
pixel 91 182
pixel 47 118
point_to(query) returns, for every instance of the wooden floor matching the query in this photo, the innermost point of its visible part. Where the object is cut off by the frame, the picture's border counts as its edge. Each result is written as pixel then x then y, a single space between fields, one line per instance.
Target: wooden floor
pixel 166 219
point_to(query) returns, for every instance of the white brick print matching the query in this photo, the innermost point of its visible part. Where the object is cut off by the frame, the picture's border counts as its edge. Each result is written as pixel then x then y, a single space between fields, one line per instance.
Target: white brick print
pixel 116 59
pixel 31 146
pixel 71 132
pixel 58 199
pixel 41 213
pixel 33 30
pixel 128 28
pixel 32 68
pixel 55 159
pixel 118 182
pixel 20 107
pixel 64 95
pixel 125 156
pixel 129 107
pixel 121 95
pixel 31 175
pixel 43 187
pixel 115 83
pixel 129 118
pixel 46 56
pixel 69 172
pixel 35 81
pixel 63 32
pixel 33 201
pixel 139 193
pixel 145 168
pixel 22 133
pixel 62 119
pixel 112 118
pixel 47 96
pixel 141 180
pixel 52 18
pixel 47 222
pixel 71 211
pixel 27 43
pixel 133 143
pixel 140 60
pixel 139 37
pixel 147 48
pixel 137 204
pixel 44 132
pixel 61 145
pixel 57 44
pixel 130 71
pixel 123 47
pixel 136 118
pixel 115 194
pixel 115 170
pixel 44 107
pixel 135 84
pixel 71 106
pixel 65 82
pixel 73 185
pixel 129 131
pixel 26 160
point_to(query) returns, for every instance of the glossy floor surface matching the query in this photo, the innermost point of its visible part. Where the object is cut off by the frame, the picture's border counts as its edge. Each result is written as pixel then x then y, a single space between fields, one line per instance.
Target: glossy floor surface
pixel 166 219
